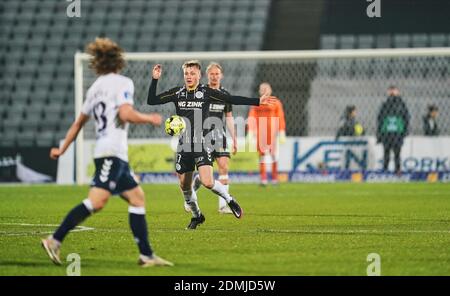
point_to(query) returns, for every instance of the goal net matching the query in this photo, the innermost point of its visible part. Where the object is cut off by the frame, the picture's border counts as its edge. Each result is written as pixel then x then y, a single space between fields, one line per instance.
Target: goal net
pixel 315 87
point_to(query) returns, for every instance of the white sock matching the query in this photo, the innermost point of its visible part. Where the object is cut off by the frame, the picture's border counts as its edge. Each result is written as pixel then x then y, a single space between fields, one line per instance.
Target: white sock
pixel 191 199
pixel 221 190
pixel 222 202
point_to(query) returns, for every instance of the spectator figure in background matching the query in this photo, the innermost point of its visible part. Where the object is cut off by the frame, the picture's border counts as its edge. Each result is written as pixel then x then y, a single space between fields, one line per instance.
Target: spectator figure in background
pixel 392 127
pixel 267 123
pixel 430 127
pixel 349 127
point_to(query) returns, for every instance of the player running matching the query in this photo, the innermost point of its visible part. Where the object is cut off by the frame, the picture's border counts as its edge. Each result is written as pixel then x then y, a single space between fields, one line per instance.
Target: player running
pixel 192 101
pixel 267 123
pixel 110 101
pixel 222 112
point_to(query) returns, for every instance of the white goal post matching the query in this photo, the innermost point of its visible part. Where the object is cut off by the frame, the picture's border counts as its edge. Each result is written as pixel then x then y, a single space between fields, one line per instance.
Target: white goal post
pixel 345 74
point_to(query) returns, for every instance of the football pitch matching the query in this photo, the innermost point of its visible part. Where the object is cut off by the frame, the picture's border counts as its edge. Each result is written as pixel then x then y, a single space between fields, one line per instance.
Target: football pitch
pixel 292 229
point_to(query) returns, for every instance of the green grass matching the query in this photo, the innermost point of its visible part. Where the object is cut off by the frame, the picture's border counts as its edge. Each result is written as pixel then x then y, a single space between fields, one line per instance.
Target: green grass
pixel 293 229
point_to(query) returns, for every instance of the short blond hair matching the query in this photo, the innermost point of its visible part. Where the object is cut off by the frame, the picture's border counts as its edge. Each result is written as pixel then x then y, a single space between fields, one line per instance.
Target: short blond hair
pixel 212 65
pixel 106 56
pixel 192 63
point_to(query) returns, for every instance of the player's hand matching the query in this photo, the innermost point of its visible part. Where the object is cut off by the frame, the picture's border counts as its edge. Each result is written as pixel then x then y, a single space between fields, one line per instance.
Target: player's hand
pixel 234 148
pixel 267 100
pixel 282 137
pixel 155 119
pixel 55 153
pixel 157 70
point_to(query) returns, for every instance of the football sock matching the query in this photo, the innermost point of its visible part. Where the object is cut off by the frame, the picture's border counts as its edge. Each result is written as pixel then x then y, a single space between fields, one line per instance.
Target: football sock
pixel 221 190
pixel 224 179
pixel 196 183
pixel 75 217
pixel 262 172
pixel 138 226
pixel 190 196
pixel 274 171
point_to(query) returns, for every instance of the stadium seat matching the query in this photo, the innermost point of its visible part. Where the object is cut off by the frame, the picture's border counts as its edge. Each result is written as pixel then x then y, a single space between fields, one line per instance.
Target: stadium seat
pixel 9 137
pixel 27 138
pixel 347 42
pixel 383 41
pixel 31 120
pixel 438 40
pixel 51 121
pixel 365 41
pixel 328 42
pixel 402 41
pixel 419 40
pixel 46 139
pixel 13 122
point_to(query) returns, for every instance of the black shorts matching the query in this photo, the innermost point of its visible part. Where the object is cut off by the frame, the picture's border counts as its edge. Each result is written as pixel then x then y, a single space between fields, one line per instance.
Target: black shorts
pixel 113 174
pixel 187 161
pixel 218 154
pixel 221 149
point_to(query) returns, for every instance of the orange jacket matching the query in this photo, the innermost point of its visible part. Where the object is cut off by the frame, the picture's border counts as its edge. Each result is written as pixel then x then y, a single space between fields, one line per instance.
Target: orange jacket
pixel 267 121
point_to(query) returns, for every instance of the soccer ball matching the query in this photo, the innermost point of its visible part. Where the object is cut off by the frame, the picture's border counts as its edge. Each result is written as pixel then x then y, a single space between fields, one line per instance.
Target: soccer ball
pixel 359 130
pixel 174 125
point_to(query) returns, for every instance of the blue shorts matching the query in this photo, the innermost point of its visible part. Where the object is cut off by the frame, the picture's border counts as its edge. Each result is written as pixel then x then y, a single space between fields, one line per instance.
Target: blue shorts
pixel 114 175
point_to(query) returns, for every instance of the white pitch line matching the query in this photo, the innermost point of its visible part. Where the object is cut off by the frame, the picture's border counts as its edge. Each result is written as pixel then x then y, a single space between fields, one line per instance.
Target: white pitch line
pixel 6 233
pixel 356 231
pixel 293 231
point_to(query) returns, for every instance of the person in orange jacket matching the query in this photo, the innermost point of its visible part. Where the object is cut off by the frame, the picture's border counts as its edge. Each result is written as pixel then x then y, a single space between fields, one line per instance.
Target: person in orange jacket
pixel 268 124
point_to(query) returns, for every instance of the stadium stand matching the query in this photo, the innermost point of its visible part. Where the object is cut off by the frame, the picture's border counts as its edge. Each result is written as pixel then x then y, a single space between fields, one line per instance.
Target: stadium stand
pixel 333 41
pixel 38 42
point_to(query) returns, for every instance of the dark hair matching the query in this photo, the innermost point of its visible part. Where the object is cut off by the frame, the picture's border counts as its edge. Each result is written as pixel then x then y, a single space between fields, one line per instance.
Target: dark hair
pixel 432 108
pixel 392 86
pixel 348 110
pixel 107 56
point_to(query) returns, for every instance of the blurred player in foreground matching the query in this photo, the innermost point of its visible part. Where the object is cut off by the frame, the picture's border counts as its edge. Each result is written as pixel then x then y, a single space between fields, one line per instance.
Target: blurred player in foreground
pixel 110 101
pixel 267 123
pixel 223 112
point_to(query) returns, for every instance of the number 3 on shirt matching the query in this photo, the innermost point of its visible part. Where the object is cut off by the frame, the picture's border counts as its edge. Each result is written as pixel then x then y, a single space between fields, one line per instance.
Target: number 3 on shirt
pixel 99 115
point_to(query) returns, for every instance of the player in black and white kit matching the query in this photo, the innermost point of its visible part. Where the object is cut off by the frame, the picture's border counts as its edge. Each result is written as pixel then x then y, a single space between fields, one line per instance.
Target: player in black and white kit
pixel 192 101
pixel 110 101
pixel 222 112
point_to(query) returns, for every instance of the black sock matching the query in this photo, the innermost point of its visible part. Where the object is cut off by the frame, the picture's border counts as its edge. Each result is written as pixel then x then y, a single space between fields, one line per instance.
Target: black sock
pixel 138 226
pixel 75 217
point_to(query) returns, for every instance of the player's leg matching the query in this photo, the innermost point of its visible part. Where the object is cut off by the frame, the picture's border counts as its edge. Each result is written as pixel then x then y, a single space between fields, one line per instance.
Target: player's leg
pixel 274 158
pixel 397 150
pixel 274 170
pixel 190 198
pixel 138 225
pixel 196 184
pixel 262 168
pixel 205 172
pixel 386 156
pixel 185 166
pixel 222 163
pixel 97 199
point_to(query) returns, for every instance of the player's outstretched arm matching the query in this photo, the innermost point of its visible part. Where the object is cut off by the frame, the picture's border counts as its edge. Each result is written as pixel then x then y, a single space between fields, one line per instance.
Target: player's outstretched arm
pixel 162 98
pixel 71 135
pixel 239 100
pixel 128 114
